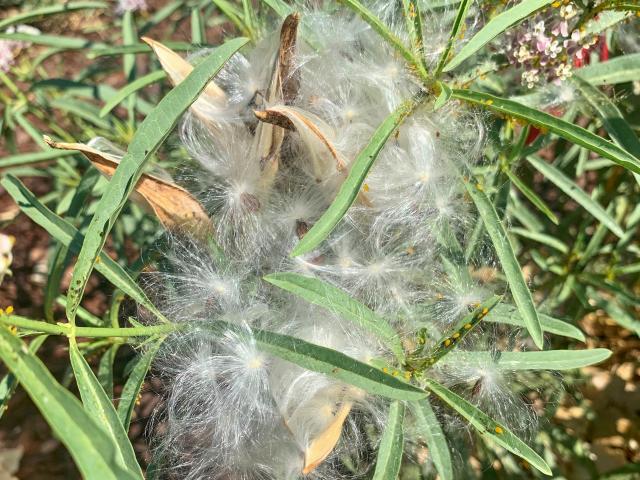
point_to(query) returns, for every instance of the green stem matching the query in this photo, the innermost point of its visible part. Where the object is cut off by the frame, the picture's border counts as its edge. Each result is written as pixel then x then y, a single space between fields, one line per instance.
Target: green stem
pixel 95 332
pixel 12 86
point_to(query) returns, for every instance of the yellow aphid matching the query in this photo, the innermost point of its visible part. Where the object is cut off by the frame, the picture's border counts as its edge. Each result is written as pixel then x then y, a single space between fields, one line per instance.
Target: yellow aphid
pixel 395 373
pixel 479 187
pixel 9 310
pixel 412 11
pixel 489 102
pixel 365 187
pixel 447 342
pixel 499 430
pixel 467 326
pixel 556 4
pixel 456 335
pixel 385 370
pixel 407 375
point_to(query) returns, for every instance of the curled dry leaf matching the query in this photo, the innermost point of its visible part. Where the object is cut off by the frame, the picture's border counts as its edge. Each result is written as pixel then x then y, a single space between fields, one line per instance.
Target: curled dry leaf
pixel 177 69
pixel 325 158
pixel 172 204
pixel 321 446
pixel 283 87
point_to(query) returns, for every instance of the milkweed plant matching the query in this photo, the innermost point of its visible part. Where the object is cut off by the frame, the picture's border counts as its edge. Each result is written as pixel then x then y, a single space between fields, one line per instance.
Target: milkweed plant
pixel 340 291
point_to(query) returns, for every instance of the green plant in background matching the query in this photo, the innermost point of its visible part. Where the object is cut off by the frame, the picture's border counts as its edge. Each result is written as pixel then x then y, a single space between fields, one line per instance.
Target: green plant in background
pixel 341 298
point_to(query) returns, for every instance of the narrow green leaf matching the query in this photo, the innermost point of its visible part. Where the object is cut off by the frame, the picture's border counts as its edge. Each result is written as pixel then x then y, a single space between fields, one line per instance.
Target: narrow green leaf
pixel 130 88
pixel 198 35
pixel 31 15
pixel 138 48
pixel 463 8
pixel 161 14
pixel 61 256
pixel 330 362
pixel 504 250
pixel 280 7
pixel 105 368
pixel 509 315
pixel 391 445
pixel 92 450
pixel 430 428
pixel 66 43
pixel 386 33
pixel 9 382
pixel 66 234
pixel 566 130
pixel 98 405
pixel 495 27
pixel 488 427
pixel 151 133
pixel 545 360
pixel 413 20
pixel 443 97
pixel 129 37
pixel 83 110
pixel 83 314
pixel 531 196
pixel 622 69
pixel 30 129
pixel 569 187
pixel 351 186
pixel 604 21
pixel 65 329
pixel 95 92
pixel 35 157
pixel 249 15
pixel 615 311
pixel 234 15
pixel 332 298
pixel 542 238
pixel 133 384
pixel 613 120
pixel 447 343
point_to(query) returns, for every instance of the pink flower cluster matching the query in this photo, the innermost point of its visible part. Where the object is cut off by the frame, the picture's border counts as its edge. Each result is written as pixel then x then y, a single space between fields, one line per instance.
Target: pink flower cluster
pixel 7 57
pixel 9 49
pixel 131 6
pixel 547 46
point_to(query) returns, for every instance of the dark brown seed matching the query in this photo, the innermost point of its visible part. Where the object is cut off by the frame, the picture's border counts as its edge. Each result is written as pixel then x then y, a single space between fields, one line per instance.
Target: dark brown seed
pixel 302 228
pixel 250 202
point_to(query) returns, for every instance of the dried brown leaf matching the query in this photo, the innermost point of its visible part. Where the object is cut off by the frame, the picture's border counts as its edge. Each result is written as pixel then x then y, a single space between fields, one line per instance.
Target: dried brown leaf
pixel 173 205
pixel 325 158
pixel 177 68
pixel 283 87
pixel 321 446
pixel 292 118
